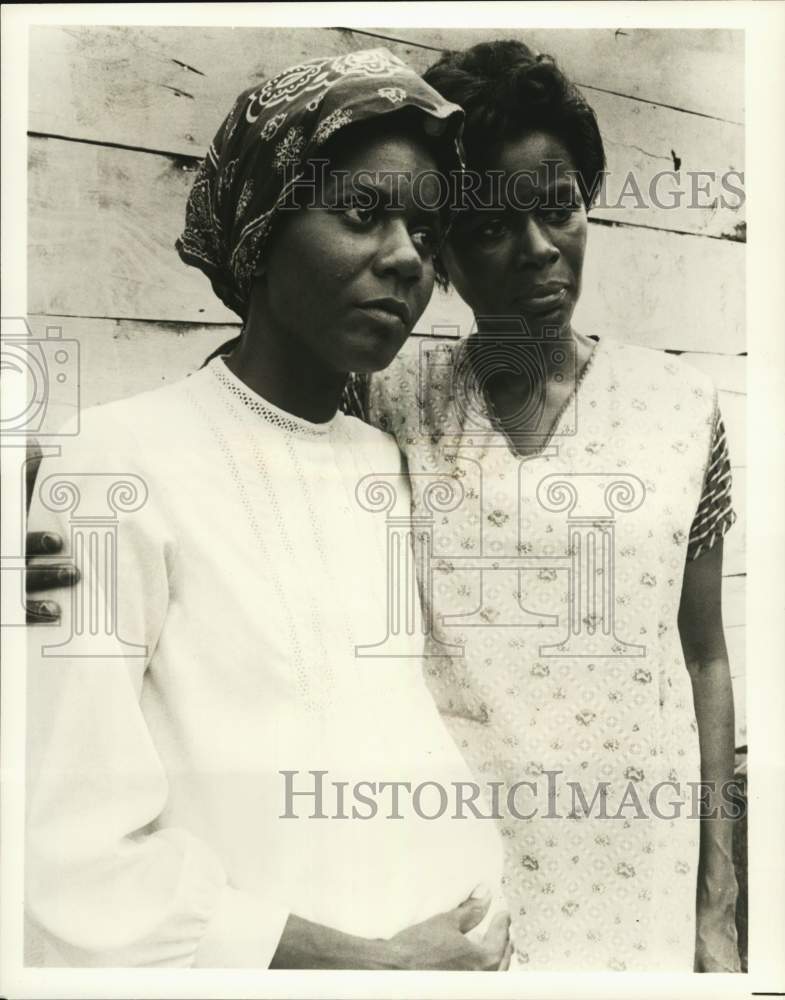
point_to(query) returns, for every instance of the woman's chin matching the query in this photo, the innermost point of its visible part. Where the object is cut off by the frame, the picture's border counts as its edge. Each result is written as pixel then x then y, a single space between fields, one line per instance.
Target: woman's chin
pixel 375 357
pixel 547 322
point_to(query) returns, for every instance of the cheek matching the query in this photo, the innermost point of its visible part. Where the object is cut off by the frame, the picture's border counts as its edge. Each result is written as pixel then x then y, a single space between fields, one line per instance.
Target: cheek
pixel 425 286
pixel 575 246
pixel 310 268
pixel 334 261
pixel 475 276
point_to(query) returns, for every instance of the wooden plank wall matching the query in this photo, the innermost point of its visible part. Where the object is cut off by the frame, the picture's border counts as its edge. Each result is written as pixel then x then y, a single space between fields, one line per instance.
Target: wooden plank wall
pixel 119 117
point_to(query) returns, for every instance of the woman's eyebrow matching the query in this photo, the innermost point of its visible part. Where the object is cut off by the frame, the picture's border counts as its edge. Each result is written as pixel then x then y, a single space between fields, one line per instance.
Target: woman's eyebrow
pixel 342 186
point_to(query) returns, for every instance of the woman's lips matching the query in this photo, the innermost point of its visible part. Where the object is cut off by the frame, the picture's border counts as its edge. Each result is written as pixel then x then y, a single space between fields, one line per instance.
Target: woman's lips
pixel 388 309
pixel 542 301
pixel 383 317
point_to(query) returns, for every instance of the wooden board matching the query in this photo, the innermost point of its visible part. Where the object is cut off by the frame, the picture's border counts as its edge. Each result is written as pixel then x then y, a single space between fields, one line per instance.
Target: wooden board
pixel 118 358
pixel 161 88
pixel 700 70
pixel 663 290
pixel 643 143
pixel 101 233
pixel 129 86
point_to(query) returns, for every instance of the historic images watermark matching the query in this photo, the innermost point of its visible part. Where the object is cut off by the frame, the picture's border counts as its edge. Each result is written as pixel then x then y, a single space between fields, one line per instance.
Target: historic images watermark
pixel 553 187
pixel 312 795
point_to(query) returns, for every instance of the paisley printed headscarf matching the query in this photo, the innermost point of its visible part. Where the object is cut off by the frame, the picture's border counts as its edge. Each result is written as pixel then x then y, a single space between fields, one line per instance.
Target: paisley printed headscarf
pixel 263 146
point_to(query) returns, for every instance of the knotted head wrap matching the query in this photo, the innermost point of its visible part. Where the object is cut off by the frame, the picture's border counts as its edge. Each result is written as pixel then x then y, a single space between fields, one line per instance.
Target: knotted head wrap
pixel 265 143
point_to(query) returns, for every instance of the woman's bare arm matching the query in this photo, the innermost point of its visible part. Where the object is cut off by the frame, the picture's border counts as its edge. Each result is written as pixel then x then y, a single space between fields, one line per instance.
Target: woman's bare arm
pixel 706 656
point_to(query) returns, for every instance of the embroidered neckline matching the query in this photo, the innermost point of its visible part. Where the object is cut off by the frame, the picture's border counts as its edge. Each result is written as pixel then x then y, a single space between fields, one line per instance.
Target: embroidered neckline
pixel 268 411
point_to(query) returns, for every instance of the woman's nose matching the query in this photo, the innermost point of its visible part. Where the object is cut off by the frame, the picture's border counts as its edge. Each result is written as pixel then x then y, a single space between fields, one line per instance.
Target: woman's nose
pixel 397 253
pixel 535 246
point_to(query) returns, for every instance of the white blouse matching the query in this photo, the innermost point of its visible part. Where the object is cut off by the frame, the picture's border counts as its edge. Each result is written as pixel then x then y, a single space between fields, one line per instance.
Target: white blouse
pixel 163 710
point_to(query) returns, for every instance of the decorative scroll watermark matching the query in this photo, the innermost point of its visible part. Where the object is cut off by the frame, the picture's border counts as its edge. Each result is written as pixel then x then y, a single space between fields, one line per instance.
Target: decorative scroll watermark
pixel 94 503
pixel 590 502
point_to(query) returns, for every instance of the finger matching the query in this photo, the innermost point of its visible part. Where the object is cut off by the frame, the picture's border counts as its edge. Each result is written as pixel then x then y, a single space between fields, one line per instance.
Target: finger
pixel 42 612
pixel 506 958
pixel 497 937
pixel 43 543
pixel 32 462
pixel 472 910
pixel 48 576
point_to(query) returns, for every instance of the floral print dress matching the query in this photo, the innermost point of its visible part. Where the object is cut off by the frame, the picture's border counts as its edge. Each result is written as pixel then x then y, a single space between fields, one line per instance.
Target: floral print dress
pixel 553 589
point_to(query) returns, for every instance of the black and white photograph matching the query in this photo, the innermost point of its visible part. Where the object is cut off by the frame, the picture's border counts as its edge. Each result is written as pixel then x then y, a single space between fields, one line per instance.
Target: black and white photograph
pixel 392 415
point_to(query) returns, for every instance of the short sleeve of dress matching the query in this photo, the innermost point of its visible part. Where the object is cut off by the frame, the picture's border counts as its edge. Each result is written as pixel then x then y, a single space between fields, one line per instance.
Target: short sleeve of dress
pixel 715 515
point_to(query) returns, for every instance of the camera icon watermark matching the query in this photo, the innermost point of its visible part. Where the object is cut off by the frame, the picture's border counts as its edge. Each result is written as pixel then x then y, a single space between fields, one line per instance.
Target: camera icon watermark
pixel 501 348
pixel 40 380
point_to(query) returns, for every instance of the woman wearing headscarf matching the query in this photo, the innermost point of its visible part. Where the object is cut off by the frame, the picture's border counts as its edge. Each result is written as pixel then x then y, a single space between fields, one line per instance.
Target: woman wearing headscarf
pixel 198 742
pixel 581 574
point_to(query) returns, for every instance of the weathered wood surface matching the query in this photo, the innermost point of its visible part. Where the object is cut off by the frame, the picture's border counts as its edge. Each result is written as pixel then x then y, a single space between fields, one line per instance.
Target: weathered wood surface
pixel 119 358
pixel 643 145
pixel 103 246
pixel 698 71
pixel 162 88
pixel 101 235
pixel 130 86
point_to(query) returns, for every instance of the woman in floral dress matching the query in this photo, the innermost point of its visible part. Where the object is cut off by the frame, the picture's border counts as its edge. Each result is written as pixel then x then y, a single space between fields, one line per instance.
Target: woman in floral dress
pixel 577 577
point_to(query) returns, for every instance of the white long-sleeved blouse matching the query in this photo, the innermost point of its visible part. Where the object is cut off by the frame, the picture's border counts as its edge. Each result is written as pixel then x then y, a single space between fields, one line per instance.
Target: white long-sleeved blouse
pixel 164 708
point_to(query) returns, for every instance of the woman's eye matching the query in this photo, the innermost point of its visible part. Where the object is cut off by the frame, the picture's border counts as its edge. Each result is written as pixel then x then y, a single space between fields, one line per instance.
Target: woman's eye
pixel 558 215
pixel 427 240
pixel 491 229
pixel 360 215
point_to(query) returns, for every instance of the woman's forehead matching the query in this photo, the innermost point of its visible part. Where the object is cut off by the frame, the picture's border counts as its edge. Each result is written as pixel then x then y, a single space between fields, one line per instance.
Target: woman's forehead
pixel 395 162
pixel 533 152
pixel 374 144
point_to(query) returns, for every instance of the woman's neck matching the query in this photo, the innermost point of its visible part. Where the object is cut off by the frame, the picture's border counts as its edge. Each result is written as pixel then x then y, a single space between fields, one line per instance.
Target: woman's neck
pixel 286 375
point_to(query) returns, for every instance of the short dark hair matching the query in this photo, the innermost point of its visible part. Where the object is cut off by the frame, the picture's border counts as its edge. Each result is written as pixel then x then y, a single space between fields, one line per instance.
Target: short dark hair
pixel 506 90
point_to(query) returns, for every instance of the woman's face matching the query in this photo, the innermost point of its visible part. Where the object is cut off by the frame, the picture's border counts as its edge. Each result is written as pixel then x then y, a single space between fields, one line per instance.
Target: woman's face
pixel 345 282
pixel 523 257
